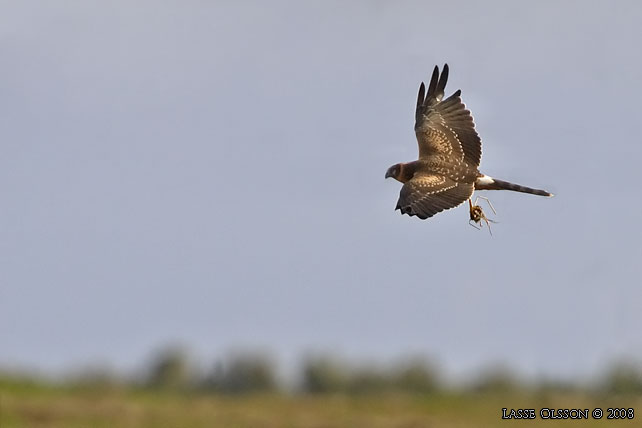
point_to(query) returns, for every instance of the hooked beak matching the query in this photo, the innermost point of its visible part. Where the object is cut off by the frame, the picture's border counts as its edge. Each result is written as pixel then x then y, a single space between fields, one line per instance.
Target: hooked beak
pixel 389 174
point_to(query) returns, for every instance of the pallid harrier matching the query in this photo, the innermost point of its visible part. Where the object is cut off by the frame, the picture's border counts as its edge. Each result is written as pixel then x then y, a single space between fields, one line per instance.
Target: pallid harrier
pixel 446 173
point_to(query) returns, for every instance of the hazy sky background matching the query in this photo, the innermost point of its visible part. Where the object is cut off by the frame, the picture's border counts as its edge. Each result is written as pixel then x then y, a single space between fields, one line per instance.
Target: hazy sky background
pixel 212 173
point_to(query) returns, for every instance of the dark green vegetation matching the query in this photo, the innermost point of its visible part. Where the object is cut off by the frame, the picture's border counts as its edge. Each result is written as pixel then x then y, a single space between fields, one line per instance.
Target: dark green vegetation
pixel 244 391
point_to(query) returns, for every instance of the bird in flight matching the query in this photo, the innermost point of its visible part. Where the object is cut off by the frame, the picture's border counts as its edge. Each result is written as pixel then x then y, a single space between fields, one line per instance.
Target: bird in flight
pixel 446 173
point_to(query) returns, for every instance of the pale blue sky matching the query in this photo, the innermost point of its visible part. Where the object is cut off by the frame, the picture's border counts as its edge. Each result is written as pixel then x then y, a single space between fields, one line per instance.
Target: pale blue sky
pixel 212 173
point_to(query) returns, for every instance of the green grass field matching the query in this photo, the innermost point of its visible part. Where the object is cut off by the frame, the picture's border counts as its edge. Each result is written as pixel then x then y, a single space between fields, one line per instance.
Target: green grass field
pixel 34 405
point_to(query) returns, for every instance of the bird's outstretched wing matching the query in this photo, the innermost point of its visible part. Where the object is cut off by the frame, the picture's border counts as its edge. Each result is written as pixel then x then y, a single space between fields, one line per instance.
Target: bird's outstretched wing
pixel 445 127
pixel 427 194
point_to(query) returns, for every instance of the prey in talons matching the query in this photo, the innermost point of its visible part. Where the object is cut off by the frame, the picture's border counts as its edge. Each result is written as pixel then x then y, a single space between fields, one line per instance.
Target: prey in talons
pixel 477 214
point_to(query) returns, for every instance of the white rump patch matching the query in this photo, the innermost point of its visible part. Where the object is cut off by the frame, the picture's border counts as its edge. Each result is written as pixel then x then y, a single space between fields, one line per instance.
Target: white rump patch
pixel 485 180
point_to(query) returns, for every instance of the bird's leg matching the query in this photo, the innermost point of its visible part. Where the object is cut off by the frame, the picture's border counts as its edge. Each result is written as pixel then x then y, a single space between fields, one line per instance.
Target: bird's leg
pixel 489 204
pixel 477 214
pixel 488 201
pixel 488 224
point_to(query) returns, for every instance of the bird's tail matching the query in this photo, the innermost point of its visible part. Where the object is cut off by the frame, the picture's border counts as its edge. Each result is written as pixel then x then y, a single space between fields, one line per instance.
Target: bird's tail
pixel 488 183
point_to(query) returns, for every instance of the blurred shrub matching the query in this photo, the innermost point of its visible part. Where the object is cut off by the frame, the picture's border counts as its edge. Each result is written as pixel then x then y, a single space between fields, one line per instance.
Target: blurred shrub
pixel 416 375
pixel 243 373
pixel 547 385
pixel 170 370
pixel 623 377
pixel 328 375
pixel 369 380
pixel 496 378
pixel 324 375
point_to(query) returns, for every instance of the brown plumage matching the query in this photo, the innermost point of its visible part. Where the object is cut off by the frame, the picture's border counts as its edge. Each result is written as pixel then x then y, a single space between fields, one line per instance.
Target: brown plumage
pixel 446 173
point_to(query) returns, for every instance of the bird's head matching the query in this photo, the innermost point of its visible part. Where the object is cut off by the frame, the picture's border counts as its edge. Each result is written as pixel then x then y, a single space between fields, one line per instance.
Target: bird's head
pixel 394 171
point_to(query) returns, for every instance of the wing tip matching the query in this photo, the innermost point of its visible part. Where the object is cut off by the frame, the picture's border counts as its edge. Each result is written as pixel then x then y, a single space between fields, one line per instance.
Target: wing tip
pixel 421 96
pixel 441 83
